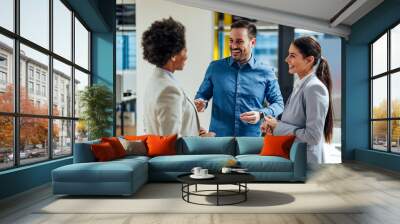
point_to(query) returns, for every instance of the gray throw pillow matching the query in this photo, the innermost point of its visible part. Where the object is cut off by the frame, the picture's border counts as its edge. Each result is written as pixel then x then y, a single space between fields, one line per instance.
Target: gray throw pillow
pixel 137 148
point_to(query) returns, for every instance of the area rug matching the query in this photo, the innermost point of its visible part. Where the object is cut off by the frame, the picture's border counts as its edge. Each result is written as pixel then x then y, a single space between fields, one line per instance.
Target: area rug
pixel 167 198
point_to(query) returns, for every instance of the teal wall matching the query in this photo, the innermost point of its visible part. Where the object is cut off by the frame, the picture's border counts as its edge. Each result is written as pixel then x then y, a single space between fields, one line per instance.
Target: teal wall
pixel 24 178
pixel 356 101
pixel 99 16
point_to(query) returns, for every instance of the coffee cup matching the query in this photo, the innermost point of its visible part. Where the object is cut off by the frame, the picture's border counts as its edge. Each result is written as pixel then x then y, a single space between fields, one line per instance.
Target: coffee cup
pixel 196 171
pixel 226 170
pixel 203 172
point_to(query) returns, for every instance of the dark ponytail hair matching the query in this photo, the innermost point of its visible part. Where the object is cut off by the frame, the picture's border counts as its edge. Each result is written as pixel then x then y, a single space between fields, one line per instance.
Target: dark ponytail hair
pixel 308 46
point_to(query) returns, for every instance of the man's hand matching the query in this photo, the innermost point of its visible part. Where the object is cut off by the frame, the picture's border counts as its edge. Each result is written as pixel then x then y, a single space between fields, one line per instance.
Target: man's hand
pixel 251 117
pixel 200 104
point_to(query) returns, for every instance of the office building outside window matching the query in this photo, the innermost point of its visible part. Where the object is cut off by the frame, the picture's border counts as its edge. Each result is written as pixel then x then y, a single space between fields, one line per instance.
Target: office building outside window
pixel 34 142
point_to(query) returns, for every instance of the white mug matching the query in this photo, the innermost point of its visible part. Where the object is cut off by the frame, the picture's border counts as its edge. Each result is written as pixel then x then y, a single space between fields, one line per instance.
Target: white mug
pixel 196 170
pixel 203 172
pixel 226 170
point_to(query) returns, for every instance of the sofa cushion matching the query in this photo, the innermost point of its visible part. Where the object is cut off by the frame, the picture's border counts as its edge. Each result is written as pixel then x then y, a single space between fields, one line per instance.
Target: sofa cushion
pixel 131 158
pixel 257 163
pixel 83 152
pixel 198 145
pixel 185 163
pixel 112 171
pixel 249 145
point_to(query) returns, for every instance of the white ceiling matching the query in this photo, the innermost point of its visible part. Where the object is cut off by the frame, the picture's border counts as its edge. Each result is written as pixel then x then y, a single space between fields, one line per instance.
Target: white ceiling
pixel 315 15
pixel 321 9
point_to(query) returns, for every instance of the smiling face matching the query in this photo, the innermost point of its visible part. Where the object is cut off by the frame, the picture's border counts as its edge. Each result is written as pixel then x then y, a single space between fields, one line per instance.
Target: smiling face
pixel 298 64
pixel 240 44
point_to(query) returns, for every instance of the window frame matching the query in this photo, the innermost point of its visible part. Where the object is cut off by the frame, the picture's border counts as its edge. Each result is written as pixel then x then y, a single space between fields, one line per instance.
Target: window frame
pixel 388 74
pixel 15 68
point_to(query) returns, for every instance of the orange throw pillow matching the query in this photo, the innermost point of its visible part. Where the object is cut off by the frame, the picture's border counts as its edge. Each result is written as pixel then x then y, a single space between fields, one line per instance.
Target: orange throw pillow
pixel 136 138
pixel 103 152
pixel 277 146
pixel 116 145
pixel 161 145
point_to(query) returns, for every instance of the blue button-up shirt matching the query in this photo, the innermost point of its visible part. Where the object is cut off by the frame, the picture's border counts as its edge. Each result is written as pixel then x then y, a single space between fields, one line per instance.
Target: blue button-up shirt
pixel 236 89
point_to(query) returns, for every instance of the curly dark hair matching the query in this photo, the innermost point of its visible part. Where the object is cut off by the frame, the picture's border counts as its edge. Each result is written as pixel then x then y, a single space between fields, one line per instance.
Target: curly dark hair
pixel 162 40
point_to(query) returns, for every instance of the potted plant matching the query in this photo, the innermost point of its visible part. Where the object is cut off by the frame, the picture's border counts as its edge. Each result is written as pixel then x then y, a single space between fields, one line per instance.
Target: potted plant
pixel 96 104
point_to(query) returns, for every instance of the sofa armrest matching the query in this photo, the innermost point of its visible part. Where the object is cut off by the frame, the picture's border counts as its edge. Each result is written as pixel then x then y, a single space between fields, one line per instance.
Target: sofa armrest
pixel 298 155
pixel 83 152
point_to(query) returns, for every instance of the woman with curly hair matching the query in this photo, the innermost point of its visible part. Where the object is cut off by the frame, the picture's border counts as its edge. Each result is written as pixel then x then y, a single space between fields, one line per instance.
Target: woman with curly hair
pixel 168 110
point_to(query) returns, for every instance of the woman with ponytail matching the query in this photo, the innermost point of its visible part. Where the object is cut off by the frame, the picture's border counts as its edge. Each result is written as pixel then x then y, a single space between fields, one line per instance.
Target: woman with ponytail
pixel 308 112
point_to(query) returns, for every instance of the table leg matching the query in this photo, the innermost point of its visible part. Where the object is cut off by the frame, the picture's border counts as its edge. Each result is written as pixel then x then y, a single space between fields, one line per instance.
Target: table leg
pixel 245 191
pixel 196 188
pixel 217 194
pixel 188 190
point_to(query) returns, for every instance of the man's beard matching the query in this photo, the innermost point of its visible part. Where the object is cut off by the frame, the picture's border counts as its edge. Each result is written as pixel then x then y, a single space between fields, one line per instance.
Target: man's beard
pixel 239 55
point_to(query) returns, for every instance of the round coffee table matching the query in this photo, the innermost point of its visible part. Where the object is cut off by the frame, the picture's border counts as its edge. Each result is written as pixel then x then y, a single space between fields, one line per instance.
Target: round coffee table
pixel 238 179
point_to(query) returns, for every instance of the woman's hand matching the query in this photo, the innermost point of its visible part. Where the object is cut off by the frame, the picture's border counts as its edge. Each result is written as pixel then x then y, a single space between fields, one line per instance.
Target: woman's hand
pixel 204 133
pixel 208 134
pixel 269 125
pixel 266 129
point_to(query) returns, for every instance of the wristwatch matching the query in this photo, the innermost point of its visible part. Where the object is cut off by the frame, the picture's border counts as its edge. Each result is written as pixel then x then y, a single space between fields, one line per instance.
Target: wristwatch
pixel 261 115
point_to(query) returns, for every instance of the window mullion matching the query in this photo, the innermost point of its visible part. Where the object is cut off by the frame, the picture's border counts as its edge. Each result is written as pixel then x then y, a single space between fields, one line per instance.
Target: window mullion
pixel 389 106
pixel 16 69
pixel 50 81
pixel 73 81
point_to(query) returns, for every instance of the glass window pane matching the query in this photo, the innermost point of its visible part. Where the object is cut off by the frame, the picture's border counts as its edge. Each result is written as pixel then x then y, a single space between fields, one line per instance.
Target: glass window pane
pixel 395 138
pixel 395 47
pixel 81 131
pixel 35 21
pixel 379 98
pixel 62 89
pixel 33 139
pixel 126 51
pixel 34 96
pixel 6 74
pixel 62 29
pixel 395 94
pixel 62 138
pixel 379 135
pixel 379 55
pixel 81 81
pixel 6 142
pixel 266 49
pixel 81 45
pixel 7 14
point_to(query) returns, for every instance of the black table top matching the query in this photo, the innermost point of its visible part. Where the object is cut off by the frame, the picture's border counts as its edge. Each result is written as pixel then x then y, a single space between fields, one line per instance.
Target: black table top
pixel 220 178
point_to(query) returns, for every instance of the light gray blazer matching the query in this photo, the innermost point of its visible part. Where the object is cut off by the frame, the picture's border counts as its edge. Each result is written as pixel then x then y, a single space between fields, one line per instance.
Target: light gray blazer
pixel 304 116
pixel 167 109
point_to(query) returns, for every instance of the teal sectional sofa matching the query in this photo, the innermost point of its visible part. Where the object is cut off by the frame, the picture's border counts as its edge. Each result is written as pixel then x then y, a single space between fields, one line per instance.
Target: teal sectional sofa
pixel 125 176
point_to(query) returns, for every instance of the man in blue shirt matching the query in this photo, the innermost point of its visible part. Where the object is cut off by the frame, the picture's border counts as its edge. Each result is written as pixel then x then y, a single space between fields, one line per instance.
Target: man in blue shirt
pixel 239 86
